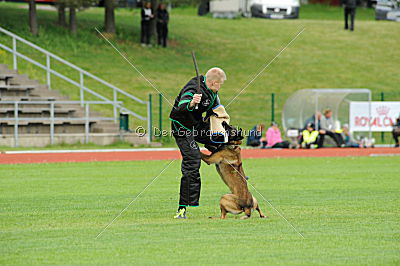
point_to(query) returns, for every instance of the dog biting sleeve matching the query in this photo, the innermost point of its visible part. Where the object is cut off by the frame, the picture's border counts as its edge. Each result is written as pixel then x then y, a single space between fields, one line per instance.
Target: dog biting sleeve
pixel 217 129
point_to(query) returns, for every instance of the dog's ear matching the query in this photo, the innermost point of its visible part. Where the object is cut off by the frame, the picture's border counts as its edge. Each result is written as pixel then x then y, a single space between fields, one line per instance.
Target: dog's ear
pixel 234 133
pixel 240 133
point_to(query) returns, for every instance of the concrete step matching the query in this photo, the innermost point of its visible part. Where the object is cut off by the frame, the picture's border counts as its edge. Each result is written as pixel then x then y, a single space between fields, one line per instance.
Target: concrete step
pixel 33 98
pixel 28 105
pixel 20 78
pixel 47 93
pixel 106 127
pixel 43 126
pixel 45 121
pixel 18 87
pixel 5 70
pixel 14 93
pixel 8 129
pixel 7 76
pixel 36 112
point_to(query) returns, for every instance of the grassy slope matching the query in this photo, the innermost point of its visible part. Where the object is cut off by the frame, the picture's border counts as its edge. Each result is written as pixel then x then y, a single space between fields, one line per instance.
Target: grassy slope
pixel 324 56
pixel 51 213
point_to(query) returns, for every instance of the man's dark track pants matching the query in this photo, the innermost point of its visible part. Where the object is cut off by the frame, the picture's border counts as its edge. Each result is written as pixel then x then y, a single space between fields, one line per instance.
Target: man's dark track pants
pixel 190 181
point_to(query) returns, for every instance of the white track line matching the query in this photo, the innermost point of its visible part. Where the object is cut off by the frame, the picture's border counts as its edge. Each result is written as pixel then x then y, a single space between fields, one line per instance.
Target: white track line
pixel 384 154
pixel 95 150
pixel 141 149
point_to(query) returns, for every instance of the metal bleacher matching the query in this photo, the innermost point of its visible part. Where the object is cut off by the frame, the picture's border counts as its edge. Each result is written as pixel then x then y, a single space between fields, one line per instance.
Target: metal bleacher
pixel 31 111
pixel 30 108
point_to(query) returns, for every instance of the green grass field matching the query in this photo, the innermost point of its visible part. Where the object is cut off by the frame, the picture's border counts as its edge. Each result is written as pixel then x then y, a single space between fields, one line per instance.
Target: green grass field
pixel 324 56
pixel 346 208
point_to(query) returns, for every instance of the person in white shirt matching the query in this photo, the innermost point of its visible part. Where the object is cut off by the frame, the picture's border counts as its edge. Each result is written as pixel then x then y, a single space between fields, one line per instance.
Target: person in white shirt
pixel 147 17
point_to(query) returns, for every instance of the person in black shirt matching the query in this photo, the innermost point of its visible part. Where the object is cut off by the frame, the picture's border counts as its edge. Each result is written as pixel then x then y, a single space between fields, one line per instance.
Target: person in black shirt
pixel 147 17
pixel 349 10
pixel 254 138
pixel 396 132
pixel 162 25
pixel 188 126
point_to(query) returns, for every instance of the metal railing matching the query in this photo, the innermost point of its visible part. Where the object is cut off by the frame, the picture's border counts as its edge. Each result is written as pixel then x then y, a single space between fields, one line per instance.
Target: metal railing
pixel 52 118
pixel 82 74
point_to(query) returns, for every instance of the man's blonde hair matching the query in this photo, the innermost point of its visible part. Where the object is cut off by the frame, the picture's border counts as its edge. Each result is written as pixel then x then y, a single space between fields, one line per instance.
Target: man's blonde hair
pixel 215 74
pixel 327 110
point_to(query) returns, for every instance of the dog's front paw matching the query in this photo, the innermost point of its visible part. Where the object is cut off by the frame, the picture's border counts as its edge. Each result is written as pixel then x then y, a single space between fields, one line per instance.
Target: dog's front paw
pixel 204 157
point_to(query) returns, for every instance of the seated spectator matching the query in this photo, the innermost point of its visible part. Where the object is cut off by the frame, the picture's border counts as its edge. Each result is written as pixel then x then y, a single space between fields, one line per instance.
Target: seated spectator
pixel 309 137
pixel 348 137
pixel 274 139
pixel 254 137
pixel 328 128
pixel 312 120
pixel 396 132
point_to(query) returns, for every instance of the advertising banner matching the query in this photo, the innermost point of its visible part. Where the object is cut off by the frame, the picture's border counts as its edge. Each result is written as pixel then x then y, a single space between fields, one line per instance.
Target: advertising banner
pixel 383 114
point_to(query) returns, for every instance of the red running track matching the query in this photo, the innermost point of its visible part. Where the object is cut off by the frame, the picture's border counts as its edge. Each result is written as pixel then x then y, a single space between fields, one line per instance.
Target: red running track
pixel 140 155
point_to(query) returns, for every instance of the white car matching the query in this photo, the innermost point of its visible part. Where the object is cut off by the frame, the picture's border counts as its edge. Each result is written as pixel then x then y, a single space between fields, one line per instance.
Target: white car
pixel 275 9
pixel 387 10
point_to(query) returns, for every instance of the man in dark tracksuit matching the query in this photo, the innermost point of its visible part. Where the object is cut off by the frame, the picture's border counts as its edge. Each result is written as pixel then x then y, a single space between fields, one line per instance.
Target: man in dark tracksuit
pixel 349 9
pixel 188 128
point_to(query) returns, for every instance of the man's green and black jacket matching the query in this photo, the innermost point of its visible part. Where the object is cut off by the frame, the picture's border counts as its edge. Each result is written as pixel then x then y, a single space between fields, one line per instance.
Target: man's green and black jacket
pixel 185 118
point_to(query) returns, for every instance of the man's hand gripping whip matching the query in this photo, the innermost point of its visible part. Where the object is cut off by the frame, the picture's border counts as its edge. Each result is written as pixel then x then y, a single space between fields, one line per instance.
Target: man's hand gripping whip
pixel 197 75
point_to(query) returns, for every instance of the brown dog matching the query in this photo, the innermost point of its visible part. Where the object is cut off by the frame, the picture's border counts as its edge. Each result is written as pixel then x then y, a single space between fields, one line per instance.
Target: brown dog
pixel 229 166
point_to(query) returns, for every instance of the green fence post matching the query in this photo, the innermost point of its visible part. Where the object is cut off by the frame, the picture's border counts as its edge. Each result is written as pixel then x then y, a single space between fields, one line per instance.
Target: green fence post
pixel 160 115
pixel 382 133
pixel 272 107
pixel 151 117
